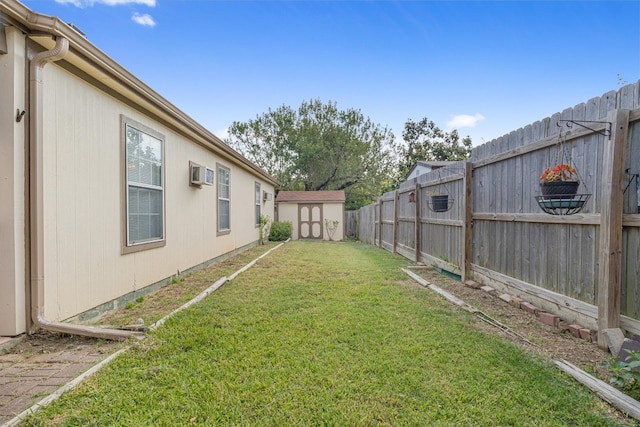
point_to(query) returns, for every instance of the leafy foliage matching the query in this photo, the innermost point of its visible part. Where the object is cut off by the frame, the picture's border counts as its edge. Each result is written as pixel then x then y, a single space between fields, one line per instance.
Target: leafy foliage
pixel 319 147
pixel 331 226
pixel 560 172
pixel 280 231
pixel 426 141
pixel 265 228
pixel 625 374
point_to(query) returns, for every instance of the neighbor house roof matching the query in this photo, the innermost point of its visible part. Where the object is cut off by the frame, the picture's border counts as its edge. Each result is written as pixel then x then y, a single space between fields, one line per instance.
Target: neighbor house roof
pixel 336 196
pixel 435 164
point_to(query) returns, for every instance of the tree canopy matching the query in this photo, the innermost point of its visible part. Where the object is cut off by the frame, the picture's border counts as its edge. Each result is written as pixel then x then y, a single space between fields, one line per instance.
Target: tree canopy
pixel 319 147
pixel 426 141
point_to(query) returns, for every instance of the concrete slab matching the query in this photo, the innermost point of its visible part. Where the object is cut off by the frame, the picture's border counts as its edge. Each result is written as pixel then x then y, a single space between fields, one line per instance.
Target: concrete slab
pixel 614 337
pixel 505 297
pixel 488 289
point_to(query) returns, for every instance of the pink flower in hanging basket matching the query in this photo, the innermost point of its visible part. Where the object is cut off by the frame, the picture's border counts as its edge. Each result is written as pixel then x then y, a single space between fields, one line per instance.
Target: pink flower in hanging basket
pixel 560 172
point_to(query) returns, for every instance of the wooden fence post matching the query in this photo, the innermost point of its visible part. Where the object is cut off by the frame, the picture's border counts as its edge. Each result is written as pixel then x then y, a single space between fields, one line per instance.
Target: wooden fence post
pixel 611 209
pixel 396 198
pixel 380 223
pixel 417 223
pixel 467 230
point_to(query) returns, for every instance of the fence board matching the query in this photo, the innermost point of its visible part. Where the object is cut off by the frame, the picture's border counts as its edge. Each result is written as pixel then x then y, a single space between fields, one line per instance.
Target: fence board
pixel 631 274
pixel 609 279
pixel 511 237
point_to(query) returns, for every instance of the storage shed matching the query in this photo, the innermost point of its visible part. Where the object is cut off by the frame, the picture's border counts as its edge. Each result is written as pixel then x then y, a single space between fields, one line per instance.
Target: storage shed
pixel 314 214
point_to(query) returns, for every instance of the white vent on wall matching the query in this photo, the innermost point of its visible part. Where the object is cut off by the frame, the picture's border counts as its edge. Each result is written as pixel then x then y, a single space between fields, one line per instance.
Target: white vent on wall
pixel 201 175
pixel 267 196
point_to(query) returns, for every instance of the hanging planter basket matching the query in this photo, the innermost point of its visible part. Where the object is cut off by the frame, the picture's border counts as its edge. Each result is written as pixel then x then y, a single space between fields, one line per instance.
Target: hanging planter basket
pixel 555 205
pixel 559 185
pixel 560 189
pixel 560 192
pixel 440 203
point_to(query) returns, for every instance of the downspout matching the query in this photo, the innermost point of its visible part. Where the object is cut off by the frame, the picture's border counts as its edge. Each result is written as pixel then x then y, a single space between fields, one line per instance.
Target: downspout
pixel 36 204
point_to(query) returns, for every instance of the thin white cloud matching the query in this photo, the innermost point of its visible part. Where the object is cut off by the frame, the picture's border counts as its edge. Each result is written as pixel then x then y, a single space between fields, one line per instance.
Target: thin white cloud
pixel 465 121
pixel 143 19
pixel 222 134
pixel 150 3
pixel 89 3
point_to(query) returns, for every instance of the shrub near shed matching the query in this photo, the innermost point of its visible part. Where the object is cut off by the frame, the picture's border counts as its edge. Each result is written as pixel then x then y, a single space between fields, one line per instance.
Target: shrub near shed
pixel 280 231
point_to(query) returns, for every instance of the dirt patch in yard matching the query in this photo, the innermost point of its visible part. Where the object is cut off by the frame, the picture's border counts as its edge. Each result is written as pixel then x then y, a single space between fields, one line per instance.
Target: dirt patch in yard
pixel 44 342
pixel 525 329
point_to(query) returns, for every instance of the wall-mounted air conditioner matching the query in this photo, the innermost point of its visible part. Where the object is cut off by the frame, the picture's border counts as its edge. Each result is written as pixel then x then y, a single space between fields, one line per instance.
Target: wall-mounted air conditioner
pixel 266 196
pixel 201 175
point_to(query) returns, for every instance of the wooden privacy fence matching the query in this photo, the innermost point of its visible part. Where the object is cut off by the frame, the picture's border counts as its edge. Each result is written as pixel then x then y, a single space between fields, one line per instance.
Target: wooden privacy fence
pixel 584 267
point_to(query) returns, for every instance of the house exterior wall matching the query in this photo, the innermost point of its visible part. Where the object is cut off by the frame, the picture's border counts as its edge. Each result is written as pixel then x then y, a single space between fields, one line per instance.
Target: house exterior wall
pixel 12 190
pixel 84 193
pixel 419 170
pixel 330 211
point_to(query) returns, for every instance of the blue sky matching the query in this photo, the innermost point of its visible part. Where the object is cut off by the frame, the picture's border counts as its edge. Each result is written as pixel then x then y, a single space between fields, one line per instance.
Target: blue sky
pixel 483 67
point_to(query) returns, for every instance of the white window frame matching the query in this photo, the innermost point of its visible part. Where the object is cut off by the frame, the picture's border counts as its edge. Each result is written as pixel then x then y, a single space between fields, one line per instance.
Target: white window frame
pixel 129 244
pixel 223 198
pixel 258 197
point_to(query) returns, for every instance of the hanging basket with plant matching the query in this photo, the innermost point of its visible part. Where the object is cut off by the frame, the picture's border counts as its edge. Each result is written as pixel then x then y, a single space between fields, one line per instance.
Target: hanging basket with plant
pixel 559 185
pixel 560 182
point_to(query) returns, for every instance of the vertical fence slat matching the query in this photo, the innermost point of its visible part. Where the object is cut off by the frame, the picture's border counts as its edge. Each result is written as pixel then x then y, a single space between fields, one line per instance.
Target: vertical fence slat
pixel 380 224
pixel 467 230
pixel 417 218
pixel 396 199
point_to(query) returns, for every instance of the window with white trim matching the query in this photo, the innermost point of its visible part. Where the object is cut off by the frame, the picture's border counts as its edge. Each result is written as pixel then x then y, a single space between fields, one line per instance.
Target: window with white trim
pixel 258 204
pixel 144 177
pixel 224 200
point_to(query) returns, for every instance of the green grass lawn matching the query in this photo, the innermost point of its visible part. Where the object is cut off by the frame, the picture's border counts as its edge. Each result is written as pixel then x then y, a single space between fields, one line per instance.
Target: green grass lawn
pixel 325 334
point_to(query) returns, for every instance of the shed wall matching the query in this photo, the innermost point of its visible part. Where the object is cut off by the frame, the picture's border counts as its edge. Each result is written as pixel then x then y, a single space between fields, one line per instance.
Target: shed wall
pixel 330 211
pixel 288 212
pixel 334 212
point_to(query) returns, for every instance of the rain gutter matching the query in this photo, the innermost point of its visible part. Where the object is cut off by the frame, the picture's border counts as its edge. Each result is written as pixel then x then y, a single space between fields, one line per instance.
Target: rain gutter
pixel 36 200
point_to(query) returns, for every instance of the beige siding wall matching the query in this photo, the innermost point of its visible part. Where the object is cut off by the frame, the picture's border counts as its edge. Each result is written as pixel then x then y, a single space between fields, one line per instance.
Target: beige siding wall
pixel 12 191
pixel 330 211
pixel 84 266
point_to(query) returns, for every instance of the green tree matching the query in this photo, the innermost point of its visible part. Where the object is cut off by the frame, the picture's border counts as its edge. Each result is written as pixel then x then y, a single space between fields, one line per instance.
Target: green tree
pixel 426 141
pixel 319 147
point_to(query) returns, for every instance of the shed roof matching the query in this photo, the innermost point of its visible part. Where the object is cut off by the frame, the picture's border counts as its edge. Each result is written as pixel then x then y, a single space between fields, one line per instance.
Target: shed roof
pixel 336 196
